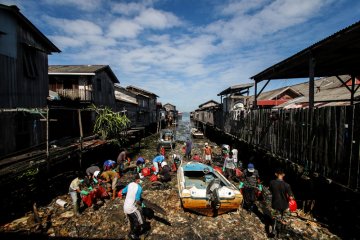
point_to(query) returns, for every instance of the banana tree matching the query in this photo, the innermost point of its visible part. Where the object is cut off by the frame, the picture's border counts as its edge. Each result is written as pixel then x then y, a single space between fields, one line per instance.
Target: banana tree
pixel 110 125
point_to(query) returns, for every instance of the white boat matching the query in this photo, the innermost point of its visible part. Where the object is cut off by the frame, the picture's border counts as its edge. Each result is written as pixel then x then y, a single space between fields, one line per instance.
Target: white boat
pixel 196 133
pixel 206 191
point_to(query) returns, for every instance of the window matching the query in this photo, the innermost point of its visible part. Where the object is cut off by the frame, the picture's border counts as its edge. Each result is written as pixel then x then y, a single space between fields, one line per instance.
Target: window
pixel 29 60
pixel 98 84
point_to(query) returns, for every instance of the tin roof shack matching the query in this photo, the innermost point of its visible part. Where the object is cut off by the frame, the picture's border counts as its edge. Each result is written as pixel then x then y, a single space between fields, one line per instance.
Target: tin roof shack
pixel 147 109
pixel 275 97
pixel 24 54
pixel 126 101
pixel 24 83
pixel 329 91
pixel 78 86
pixel 84 83
pixel 170 110
pixel 209 113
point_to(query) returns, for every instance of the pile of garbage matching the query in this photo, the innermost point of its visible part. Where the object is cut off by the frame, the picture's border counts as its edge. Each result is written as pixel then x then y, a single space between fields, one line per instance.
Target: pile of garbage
pixel 109 221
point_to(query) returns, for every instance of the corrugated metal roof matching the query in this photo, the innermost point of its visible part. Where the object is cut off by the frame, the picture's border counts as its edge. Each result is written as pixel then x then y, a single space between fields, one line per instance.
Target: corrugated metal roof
pixel 75 68
pixel 335 55
pixel 145 92
pixel 236 88
pixel 81 69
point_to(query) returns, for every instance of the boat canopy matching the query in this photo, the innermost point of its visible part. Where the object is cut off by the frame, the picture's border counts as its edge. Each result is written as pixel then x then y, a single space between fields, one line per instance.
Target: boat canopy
pixel 195 166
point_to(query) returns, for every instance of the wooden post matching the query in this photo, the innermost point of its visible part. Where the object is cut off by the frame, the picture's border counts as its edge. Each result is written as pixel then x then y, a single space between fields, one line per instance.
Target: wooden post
pixel 81 136
pixel 311 81
pixel 47 139
pixel 352 89
pixel 255 101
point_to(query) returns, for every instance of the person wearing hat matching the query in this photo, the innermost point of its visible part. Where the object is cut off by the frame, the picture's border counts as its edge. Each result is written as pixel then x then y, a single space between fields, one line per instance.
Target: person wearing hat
pixel 250 180
pixel 133 193
pixel 164 175
pixel 229 167
pixel 207 154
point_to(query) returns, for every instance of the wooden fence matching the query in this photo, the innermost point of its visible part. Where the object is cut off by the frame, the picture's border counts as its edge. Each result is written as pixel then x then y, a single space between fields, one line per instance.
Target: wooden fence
pixel 324 140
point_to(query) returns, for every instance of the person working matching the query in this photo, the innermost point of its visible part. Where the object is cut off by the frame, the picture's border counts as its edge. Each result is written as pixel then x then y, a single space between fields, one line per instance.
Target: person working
pixel 90 171
pixel 188 147
pixel 133 193
pixel 281 193
pixel 121 159
pixel 164 175
pixel 113 177
pixel 74 191
pixel 229 167
pixel 140 163
pixel 250 180
pixel 208 154
pixel 156 161
pixel 109 165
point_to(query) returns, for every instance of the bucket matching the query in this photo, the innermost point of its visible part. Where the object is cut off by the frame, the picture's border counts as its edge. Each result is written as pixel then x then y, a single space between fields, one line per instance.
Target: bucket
pixel 61 203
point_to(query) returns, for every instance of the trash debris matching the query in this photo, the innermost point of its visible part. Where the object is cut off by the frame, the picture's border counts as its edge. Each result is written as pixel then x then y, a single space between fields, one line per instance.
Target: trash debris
pixel 168 220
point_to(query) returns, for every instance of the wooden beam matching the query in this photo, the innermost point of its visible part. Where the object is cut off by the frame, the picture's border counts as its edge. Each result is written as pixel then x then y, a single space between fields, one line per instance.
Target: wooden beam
pixel 255 102
pixel 343 83
pixel 311 81
pixel 352 89
pixel 262 89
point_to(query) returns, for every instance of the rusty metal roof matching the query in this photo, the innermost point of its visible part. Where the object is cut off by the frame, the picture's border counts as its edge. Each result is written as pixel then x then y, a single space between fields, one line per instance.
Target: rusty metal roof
pixel 81 69
pixel 337 54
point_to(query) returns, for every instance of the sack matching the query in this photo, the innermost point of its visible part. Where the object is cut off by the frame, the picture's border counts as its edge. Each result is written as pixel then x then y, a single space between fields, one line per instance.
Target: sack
pixel 292 205
pixel 145 172
pixel 102 192
pixel 238 172
pixel 87 200
pixel 173 167
pixel 153 178
pixel 153 169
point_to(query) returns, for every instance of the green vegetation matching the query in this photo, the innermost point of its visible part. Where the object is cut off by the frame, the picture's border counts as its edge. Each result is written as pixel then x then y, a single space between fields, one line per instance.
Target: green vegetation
pixel 110 125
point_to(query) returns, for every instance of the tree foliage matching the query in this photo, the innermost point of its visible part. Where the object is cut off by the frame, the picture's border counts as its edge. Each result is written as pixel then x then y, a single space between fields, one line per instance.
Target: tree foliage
pixel 110 125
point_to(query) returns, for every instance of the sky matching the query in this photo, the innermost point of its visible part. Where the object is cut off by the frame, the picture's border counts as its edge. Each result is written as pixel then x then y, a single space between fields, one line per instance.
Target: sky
pixel 186 51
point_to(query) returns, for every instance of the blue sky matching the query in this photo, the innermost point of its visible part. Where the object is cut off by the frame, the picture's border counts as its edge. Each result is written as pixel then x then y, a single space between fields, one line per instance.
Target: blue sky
pixel 186 51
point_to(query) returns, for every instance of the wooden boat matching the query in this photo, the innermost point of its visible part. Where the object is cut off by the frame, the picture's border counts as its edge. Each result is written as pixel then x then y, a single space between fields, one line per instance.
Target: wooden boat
pixel 205 191
pixel 196 133
pixel 167 138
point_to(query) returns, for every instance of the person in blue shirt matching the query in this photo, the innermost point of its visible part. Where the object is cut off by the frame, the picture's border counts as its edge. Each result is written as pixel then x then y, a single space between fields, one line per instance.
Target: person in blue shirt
pixel 133 193
pixel 156 161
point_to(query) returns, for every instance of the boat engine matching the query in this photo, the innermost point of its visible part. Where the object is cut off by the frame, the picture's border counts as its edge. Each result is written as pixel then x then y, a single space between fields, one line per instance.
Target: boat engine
pixel 212 193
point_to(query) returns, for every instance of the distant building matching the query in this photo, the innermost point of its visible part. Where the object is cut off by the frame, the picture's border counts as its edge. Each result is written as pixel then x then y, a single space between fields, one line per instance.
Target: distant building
pixel 24 80
pixel 147 108
pixel 126 102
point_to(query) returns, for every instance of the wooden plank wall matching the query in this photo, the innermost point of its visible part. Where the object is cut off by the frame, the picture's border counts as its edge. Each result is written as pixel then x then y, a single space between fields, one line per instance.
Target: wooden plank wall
pixel 324 140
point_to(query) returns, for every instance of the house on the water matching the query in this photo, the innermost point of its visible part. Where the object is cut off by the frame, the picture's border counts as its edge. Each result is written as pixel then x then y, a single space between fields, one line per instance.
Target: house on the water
pixel 147 113
pixel 126 103
pixel 79 86
pixel 24 83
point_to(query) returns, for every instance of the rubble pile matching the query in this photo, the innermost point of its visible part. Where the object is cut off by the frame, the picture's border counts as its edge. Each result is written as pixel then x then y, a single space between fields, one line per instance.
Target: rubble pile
pixel 109 221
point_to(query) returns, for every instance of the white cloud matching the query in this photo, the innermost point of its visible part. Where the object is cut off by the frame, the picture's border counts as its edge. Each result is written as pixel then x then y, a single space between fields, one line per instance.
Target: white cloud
pixel 85 5
pixel 128 9
pixel 122 28
pixel 157 19
pixel 77 27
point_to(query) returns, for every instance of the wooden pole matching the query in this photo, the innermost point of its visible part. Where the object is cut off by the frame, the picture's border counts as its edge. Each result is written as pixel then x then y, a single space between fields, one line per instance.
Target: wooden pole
pixel 311 81
pixel 81 136
pixel 47 139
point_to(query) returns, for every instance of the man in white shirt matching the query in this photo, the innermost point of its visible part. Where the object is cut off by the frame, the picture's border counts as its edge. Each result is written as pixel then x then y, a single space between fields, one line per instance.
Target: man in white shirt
pixel 133 193
pixel 235 155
